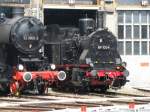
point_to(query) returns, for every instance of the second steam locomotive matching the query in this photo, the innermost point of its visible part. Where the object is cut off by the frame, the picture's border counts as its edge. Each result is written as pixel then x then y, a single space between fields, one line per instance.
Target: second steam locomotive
pixel 88 55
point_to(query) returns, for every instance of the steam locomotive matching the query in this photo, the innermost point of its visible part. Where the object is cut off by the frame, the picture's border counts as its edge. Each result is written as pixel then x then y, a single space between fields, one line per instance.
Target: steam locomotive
pixel 88 55
pixel 22 64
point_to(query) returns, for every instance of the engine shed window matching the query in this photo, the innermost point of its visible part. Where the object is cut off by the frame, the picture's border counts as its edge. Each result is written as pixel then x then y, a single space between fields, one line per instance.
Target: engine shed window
pixel 143 16
pixel 128 48
pixel 134 32
pixel 144 47
pixel 128 31
pixel 136 18
pixel 144 31
pixel 120 47
pixel 120 32
pixel 136 48
pixel 128 18
pixel 120 17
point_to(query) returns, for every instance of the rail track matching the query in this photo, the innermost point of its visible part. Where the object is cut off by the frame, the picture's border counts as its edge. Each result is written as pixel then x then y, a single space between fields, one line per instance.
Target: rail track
pixel 60 100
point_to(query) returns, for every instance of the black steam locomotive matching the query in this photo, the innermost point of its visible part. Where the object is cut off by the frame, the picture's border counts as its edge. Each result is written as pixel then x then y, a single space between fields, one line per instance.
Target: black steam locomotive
pixel 88 55
pixel 22 64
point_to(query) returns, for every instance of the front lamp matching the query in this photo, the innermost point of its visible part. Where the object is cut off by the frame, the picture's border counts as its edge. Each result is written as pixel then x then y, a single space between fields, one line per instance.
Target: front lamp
pixel 20 67
pixel 53 66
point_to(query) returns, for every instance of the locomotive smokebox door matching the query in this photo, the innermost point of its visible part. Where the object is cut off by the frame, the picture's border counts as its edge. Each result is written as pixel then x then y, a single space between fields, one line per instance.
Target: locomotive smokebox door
pixel 27 34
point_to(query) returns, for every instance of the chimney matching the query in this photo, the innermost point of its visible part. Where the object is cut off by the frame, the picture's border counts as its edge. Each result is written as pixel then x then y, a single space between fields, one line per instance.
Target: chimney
pixel 100 18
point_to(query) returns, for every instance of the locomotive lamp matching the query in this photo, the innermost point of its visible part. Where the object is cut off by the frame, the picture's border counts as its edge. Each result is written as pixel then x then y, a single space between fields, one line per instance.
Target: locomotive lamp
pixel 118 67
pixel 53 66
pixel 20 67
pixel 94 73
pixel 91 65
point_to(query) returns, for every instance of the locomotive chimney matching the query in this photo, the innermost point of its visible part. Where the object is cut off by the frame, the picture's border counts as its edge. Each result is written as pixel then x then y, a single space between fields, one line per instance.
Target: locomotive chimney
pixel 18 11
pixel 86 26
pixel 100 18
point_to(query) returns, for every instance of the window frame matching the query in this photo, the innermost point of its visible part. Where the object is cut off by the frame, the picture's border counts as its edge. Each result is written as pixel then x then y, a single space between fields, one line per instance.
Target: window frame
pixel 132 24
